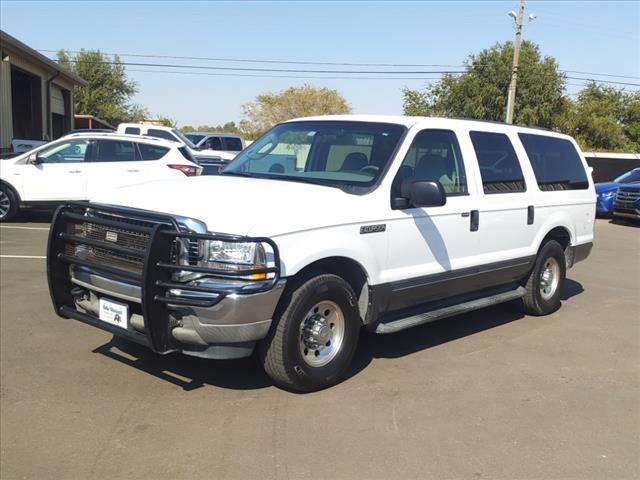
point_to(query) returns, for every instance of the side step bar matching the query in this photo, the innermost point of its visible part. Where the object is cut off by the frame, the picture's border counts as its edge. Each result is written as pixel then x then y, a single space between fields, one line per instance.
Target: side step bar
pixel 396 325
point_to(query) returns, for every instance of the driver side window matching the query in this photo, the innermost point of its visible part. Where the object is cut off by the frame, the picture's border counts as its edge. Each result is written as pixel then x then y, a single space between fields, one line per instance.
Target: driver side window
pixel 434 155
pixel 72 151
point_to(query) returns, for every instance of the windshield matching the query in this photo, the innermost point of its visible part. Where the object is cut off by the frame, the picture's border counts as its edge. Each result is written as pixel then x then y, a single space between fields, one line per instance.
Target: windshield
pixel 195 138
pixel 326 152
pixel 186 141
pixel 629 177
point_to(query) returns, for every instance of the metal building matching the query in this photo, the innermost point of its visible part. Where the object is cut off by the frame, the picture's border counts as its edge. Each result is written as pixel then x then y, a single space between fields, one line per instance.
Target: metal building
pixel 36 94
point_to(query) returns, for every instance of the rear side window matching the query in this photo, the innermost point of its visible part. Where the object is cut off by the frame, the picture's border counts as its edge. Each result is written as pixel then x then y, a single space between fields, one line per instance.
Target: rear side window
pixel 132 131
pixel 232 144
pixel 151 152
pixel 113 151
pixel 555 162
pixel 154 132
pixel 499 166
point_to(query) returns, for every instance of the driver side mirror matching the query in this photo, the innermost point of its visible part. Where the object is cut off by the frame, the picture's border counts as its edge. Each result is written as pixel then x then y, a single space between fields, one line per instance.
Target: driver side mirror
pixel 34 160
pixel 420 193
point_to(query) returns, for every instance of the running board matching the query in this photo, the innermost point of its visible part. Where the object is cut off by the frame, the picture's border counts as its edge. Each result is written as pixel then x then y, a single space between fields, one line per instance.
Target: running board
pixel 396 325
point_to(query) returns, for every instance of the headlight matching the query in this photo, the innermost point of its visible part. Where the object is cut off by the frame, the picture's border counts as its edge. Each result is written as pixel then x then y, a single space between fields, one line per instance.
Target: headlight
pixel 607 194
pixel 235 257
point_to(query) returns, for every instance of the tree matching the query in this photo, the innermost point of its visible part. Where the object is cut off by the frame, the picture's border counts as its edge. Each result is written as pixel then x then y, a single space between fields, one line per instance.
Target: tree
pixel 229 127
pixel 108 90
pixel 605 119
pixel 271 108
pixel 481 92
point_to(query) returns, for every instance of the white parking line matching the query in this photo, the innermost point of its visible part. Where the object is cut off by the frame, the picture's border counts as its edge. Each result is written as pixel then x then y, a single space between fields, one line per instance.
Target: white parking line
pixel 25 228
pixel 23 256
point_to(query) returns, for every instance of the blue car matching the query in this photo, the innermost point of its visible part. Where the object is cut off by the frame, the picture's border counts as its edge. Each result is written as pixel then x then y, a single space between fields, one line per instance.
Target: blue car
pixel 606 192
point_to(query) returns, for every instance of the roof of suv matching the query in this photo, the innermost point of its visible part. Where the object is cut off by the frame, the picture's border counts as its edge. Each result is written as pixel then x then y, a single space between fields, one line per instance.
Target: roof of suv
pixel 410 121
pixel 125 136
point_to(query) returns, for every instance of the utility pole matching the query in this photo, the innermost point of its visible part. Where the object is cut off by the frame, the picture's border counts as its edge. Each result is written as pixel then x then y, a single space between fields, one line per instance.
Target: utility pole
pixel 516 58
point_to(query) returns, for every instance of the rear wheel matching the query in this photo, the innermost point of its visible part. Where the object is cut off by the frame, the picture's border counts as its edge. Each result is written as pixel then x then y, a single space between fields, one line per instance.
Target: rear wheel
pixel 546 280
pixel 314 336
pixel 8 204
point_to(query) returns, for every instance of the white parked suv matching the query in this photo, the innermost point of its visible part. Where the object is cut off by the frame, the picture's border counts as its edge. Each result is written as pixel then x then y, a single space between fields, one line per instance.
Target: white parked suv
pixel 81 165
pixel 212 161
pixel 324 226
pixel 228 144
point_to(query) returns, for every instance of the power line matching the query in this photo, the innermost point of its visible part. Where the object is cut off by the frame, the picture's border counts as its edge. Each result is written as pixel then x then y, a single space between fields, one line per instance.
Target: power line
pixel 340 72
pixel 280 76
pixel 274 70
pixel 291 62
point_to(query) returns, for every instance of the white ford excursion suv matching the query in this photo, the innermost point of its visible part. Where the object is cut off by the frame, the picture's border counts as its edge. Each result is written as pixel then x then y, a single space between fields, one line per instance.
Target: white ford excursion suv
pixel 81 165
pixel 324 226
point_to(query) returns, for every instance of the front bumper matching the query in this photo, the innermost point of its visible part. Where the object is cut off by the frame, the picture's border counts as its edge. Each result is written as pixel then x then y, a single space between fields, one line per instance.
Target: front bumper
pixel 626 211
pixel 210 316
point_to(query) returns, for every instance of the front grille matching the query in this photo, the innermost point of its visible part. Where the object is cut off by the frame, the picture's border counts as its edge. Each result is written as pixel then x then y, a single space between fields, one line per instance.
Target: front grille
pixel 627 197
pixel 123 236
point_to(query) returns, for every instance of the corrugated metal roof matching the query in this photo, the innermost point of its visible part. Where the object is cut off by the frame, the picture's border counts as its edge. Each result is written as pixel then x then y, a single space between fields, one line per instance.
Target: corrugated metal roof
pixel 7 41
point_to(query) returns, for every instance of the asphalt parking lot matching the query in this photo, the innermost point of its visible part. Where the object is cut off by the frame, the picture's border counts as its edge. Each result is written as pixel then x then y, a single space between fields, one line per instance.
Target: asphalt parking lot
pixel 490 394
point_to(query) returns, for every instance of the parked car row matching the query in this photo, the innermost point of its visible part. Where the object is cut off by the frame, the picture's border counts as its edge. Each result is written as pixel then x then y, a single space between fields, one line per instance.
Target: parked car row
pixel 321 227
pixel 82 165
pixel 619 198
pixel 87 162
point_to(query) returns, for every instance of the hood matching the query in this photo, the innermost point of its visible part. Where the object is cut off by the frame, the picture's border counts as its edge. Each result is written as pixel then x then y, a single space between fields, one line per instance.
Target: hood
pixel 631 187
pixel 245 206
pixel 606 186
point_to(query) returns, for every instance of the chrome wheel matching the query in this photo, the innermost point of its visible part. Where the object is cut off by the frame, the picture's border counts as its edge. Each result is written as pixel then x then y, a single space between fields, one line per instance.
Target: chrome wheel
pixel 322 333
pixel 549 278
pixel 5 204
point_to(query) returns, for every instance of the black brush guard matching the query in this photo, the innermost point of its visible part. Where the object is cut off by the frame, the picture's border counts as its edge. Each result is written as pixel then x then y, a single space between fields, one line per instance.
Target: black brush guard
pixel 156 279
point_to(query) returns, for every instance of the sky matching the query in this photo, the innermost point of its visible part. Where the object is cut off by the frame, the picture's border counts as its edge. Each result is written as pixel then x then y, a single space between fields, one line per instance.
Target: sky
pixel 585 36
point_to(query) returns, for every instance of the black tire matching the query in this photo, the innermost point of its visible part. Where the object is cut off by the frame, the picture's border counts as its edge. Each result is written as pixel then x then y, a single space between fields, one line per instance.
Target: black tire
pixel 534 301
pixel 280 352
pixel 12 209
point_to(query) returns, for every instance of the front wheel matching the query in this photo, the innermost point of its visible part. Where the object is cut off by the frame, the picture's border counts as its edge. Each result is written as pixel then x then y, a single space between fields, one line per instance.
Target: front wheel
pixel 314 336
pixel 8 204
pixel 546 280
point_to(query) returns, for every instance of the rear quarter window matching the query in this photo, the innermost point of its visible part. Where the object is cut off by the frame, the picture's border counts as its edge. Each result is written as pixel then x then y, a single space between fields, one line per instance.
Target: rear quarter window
pixel 555 162
pixel 151 152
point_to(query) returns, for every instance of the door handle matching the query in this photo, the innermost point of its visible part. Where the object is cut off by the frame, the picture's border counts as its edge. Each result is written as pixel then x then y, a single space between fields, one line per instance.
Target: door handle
pixel 75 171
pixel 132 171
pixel 475 220
pixel 530 215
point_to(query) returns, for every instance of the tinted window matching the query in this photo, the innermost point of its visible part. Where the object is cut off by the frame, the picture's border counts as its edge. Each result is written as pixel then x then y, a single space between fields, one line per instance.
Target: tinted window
pixel 70 151
pixel 555 162
pixel 153 132
pixel 232 144
pixel 113 151
pixel 132 131
pixel 151 152
pixel 213 143
pixel 499 166
pixel 434 155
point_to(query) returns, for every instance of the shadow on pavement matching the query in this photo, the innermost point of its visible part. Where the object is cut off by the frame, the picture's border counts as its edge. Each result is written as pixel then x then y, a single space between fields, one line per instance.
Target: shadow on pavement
pixel 191 373
pixel 34 216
